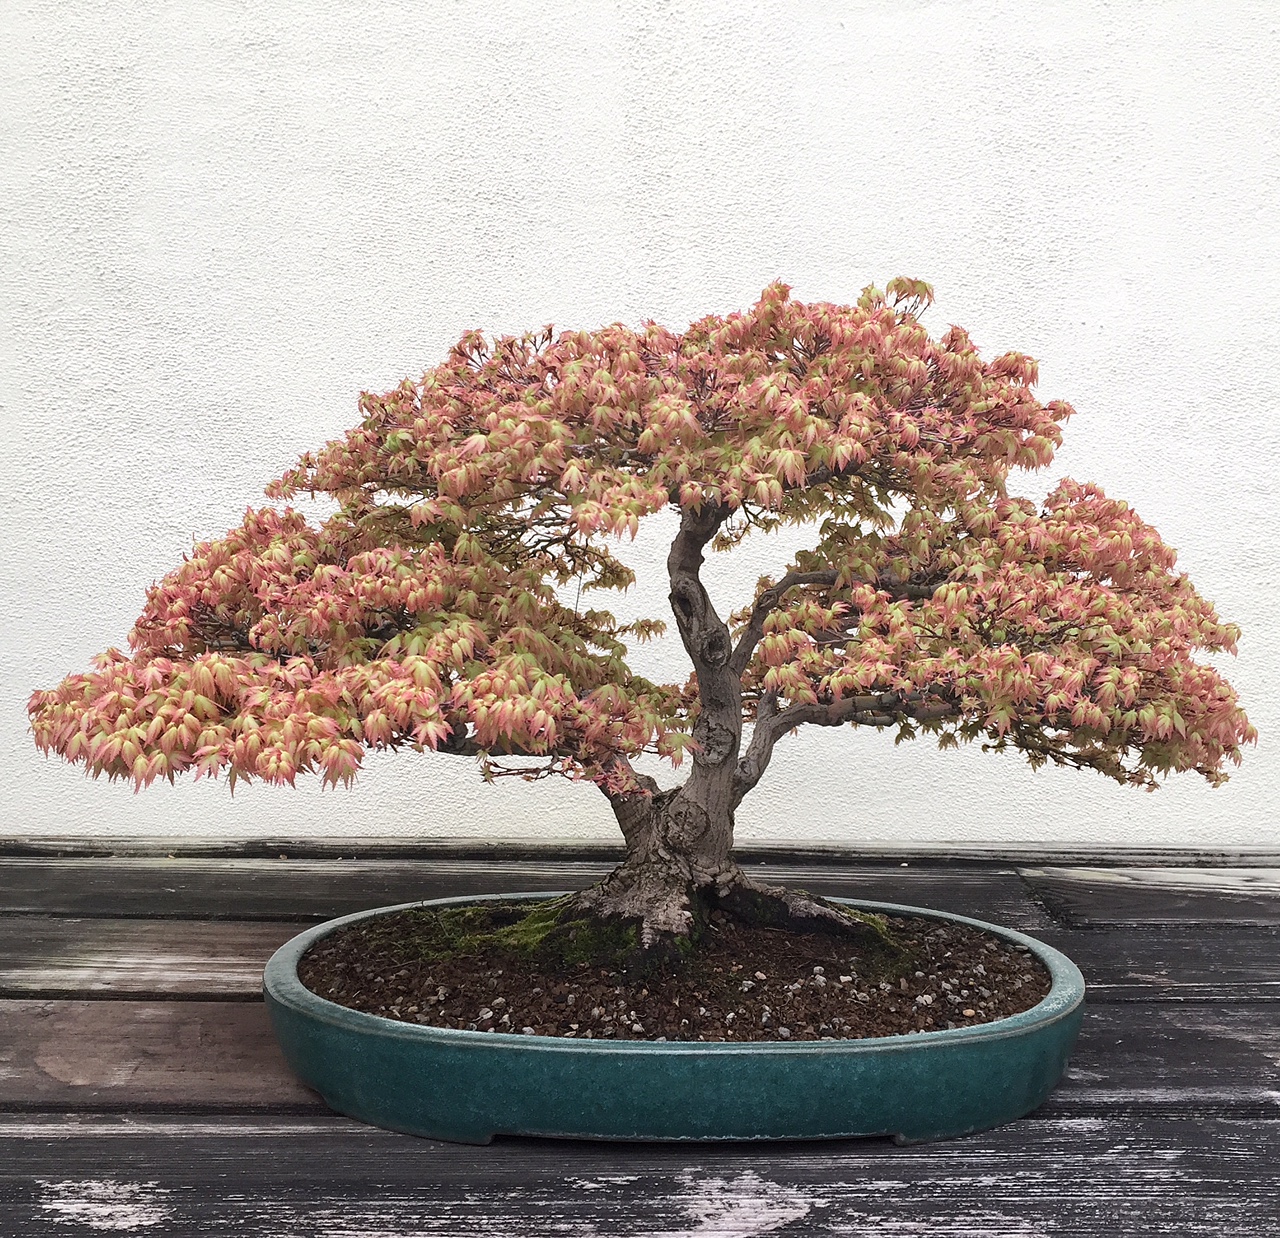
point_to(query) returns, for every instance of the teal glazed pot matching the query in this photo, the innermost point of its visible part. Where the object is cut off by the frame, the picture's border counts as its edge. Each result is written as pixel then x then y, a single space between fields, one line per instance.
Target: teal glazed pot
pixel 469 1086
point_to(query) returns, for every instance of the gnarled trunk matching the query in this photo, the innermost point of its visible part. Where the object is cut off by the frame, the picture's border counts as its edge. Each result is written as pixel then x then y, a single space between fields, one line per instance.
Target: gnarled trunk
pixel 679 869
pixel 679 864
pixel 679 860
pixel 679 842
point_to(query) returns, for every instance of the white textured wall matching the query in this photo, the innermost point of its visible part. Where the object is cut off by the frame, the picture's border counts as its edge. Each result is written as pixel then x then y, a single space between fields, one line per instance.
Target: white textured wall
pixel 220 221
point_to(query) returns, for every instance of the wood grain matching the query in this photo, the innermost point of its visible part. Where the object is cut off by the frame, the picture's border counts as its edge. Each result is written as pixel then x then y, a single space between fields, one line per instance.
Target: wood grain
pixel 1107 897
pixel 433 845
pixel 144 1056
pixel 319 889
pixel 141 1091
pixel 48 956
pixel 259 889
pixel 1192 1057
pixel 1147 1174
pixel 1178 963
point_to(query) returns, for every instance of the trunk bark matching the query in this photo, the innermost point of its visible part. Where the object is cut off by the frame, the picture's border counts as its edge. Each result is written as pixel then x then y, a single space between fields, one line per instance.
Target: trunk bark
pixel 679 842
pixel 680 868
pixel 679 861
pixel 679 864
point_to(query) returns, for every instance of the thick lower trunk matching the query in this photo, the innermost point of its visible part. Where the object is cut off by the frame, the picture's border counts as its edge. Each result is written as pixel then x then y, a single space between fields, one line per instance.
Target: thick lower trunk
pixel 680 868
pixel 679 843
pixel 679 862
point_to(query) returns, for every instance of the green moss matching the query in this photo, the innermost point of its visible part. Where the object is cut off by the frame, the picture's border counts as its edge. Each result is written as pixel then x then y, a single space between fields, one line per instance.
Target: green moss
pixel 544 932
pixel 603 943
pixel 552 933
pixel 530 931
pixel 687 947
pixel 874 924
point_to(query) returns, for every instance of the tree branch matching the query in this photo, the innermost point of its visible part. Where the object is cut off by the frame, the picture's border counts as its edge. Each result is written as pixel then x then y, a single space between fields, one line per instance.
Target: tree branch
pixel 756 759
pixel 633 806
pixel 764 604
pixel 867 709
pixel 771 598
pixel 910 592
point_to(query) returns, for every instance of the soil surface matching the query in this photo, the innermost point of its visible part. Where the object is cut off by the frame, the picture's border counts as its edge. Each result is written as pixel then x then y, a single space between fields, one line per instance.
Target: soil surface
pixel 745 983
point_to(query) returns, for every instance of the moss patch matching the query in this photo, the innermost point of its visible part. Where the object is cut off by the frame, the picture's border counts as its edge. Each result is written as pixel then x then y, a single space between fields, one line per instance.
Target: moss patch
pixel 544 931
pixel 550 933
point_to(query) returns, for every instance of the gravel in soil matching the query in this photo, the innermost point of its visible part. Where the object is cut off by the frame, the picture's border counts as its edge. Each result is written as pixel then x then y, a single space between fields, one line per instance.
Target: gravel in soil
pixel 745 983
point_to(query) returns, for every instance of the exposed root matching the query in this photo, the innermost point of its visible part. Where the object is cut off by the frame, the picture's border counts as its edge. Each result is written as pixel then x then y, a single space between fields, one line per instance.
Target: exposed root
pixel 663 906
pixel 667 909
pixel 757 903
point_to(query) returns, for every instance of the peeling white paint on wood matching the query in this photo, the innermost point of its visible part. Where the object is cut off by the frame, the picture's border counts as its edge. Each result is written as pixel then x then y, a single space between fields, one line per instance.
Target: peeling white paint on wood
pixel 1149 895
pixel 109 1126
pixel 1090 1178
pixel 1168 1123
pixel 1138 985
pixel 104 1204
pixel 974 1223
pixel 1265 1041
pixel 1170 1094
pixel 741 1207
pixel 694 1205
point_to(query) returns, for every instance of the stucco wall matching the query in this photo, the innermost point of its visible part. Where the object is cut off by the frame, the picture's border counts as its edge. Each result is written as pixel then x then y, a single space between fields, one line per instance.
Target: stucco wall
pixel 219 222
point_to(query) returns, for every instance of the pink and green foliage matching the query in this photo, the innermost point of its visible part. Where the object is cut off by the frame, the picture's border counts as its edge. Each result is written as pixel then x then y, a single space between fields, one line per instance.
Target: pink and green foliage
pixel 425 612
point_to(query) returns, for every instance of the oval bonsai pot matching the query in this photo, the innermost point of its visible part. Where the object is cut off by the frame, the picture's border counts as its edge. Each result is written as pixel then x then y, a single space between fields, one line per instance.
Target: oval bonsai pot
pixel 469 1086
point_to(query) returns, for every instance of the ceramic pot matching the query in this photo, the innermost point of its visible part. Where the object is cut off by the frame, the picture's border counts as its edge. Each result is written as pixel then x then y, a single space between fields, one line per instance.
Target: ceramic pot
pixel 469 1086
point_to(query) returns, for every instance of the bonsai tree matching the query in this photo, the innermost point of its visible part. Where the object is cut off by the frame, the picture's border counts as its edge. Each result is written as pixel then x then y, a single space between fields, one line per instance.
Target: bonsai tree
pixel 425 613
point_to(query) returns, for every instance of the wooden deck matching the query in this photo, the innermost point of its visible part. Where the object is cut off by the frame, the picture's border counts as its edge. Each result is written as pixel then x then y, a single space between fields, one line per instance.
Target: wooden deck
pixel 141 1092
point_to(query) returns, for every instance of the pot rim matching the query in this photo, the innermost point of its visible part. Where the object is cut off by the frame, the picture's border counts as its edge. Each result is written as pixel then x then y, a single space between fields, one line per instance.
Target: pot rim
pixel 280 982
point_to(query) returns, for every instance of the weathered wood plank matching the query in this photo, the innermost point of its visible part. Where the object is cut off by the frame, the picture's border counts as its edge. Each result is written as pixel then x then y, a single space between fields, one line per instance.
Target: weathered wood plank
pixel 319 889
pixel 1106 897
pixel 1160 1055
pixel 48 956
pixel 608 849
pixel 199 1057
pixel 260 889
pixel 1164 1124
pixel 1089 1178
pixel 994 894
pixel 144 1056
pixel 1178 963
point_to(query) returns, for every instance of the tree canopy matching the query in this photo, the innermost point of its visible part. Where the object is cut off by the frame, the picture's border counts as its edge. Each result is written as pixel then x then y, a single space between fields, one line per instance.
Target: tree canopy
pixel 425 612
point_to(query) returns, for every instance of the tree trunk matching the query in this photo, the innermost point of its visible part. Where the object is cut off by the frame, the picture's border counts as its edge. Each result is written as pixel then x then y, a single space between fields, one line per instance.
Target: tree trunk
pixel 679 866
pixel 679 842
pixel 680 869
pixel 679 860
